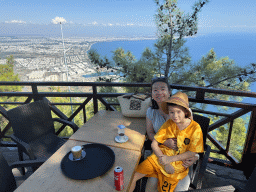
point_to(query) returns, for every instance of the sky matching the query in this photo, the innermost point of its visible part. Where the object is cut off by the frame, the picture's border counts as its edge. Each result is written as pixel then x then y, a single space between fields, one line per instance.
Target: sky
pixel 116 17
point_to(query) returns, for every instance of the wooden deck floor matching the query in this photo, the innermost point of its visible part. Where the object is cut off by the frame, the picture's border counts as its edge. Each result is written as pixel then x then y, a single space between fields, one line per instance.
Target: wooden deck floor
pixel 215 175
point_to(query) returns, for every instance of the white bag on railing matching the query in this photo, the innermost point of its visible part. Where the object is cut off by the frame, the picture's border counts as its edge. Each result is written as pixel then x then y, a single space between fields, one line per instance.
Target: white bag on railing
pixel 134 105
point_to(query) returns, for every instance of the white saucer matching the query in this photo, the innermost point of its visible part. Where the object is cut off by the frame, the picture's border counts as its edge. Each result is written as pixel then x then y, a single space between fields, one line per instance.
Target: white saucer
pixel 72 158
pixel 121 141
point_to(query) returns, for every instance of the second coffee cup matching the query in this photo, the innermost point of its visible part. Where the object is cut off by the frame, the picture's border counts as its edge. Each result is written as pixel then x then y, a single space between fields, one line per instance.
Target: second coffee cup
pixel 77 152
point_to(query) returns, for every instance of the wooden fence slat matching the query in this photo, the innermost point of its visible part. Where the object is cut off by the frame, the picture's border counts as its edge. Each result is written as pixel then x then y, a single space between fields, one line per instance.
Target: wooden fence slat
pixel 222 149
pixel 200 97
pixel 3 112
pixel 74 114
pixel 105 102
pixel 56 110
pixel 225 120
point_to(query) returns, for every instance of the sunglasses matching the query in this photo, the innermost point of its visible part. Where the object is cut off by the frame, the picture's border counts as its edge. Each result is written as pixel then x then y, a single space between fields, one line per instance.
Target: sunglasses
pixel 162 79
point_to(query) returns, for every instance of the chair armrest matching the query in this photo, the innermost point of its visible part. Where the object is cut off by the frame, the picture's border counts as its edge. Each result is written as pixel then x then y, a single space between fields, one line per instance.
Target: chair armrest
pixel 66 122
pixel 23 146
pixel 228 188
pixel 28 163
pixel 3 112
pixel 203 166
pixel 66 138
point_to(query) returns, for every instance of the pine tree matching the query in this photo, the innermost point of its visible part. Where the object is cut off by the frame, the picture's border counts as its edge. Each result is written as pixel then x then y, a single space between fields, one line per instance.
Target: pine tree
pixel 171 59
pixel 7 74
pixel 173 25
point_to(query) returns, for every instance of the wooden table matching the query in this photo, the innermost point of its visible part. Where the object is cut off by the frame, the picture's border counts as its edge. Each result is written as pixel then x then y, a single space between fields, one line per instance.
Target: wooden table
pixel 102 128
pixel 49 177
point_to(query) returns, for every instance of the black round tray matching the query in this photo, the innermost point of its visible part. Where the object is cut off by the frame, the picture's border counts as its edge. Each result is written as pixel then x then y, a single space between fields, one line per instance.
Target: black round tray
pixel 98 160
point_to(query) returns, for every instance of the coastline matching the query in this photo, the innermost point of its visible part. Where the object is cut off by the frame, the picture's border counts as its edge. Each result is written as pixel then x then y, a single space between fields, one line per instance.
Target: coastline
pixel 39 58
pixel 109 39
pixel 92 42
pixel 106 39
pixel 32 54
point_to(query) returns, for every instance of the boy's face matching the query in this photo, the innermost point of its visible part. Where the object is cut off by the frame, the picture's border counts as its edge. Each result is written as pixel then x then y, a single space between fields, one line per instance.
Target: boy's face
pixel 177 114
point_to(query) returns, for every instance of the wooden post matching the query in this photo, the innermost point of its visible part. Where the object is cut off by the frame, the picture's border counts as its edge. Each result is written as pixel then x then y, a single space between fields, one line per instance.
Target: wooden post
pixel 229 135
pixel 35 92
pixel 249 155
pixel 200 94
pixel 84 114
pixel 95 100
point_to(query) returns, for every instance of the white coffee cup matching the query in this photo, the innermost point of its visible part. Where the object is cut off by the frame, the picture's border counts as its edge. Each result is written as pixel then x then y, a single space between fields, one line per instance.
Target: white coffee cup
pixel 77 152
pixel 121 132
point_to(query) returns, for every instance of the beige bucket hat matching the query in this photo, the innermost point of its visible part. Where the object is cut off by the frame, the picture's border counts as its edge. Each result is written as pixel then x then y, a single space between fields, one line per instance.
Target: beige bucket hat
pixel 178 98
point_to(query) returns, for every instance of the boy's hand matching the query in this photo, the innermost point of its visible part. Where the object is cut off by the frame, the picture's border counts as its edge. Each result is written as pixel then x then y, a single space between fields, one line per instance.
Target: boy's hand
pixel 169 168
pixel 165 159
pixel 188 162
pixel 171 143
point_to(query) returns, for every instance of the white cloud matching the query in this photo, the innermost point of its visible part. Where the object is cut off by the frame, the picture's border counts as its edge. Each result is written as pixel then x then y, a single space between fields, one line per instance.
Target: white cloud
pixel 94 23
pixel 130 24
pixel 110 24
pixel 16 21
pixel 57 20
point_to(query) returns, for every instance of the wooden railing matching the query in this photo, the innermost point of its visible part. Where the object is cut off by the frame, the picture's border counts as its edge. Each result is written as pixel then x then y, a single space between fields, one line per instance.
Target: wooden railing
pixel 199 97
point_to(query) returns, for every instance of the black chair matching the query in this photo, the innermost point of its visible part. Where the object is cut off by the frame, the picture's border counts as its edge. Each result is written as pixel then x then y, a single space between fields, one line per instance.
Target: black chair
pixel 34 131
pixel 7 179
pixel 249 187
pixel 199 168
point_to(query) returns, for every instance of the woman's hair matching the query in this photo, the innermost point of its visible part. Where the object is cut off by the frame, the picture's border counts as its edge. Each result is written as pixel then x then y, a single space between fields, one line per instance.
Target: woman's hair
pixel 154 80
pixel 173 104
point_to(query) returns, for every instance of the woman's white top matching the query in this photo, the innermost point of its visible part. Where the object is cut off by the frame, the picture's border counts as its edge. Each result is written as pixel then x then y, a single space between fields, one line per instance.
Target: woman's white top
pixel 156 118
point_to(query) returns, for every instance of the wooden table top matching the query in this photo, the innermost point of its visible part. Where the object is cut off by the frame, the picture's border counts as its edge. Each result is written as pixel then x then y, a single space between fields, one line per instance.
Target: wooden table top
pixel 102 128
pixel 49 177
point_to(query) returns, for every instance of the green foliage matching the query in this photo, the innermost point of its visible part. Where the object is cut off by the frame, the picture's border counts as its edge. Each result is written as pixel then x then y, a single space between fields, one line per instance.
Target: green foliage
pixel 7 74
pixel 65 109
pixel 125 67
pixel 10 60
pixel 220 73
pixel 109 90
pixel 217 73
pixel 173 25
pixel 170 56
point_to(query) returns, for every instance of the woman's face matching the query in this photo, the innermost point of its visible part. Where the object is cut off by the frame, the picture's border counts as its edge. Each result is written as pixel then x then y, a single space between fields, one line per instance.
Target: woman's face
pixel 160 92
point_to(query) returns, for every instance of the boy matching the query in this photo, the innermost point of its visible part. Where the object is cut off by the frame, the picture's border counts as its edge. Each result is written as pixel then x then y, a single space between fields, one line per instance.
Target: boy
pixel 165 163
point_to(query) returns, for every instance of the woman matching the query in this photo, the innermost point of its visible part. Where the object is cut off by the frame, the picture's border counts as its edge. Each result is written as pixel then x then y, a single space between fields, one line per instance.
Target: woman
pixel 155 118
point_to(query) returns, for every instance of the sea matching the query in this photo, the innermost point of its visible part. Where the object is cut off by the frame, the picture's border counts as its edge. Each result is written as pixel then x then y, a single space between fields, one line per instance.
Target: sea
pixel 239 46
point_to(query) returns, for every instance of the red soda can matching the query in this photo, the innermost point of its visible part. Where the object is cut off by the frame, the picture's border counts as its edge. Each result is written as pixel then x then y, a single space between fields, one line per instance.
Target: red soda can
pixel 119 178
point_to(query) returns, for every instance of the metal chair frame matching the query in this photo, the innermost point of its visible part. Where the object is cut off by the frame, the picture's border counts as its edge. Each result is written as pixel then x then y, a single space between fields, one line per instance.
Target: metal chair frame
pixel 34 132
